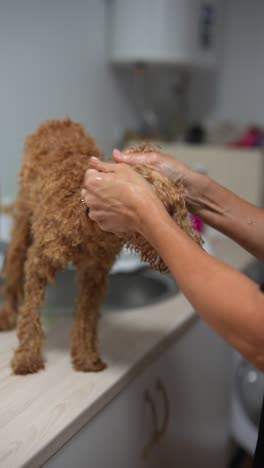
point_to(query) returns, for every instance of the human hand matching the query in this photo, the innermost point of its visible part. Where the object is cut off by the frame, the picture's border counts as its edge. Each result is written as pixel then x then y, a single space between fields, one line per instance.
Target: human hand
pixel 117 196
pixel 160 162
pixel 193 183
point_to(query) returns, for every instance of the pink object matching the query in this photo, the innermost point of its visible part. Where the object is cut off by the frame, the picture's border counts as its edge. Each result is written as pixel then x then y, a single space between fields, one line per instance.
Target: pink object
pixel 252 138
pixel 197 224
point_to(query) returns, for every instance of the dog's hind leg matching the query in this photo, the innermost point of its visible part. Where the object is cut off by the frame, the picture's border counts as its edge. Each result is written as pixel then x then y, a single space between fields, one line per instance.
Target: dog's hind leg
pixel 38 270
pixel 14 269
pixel 92 287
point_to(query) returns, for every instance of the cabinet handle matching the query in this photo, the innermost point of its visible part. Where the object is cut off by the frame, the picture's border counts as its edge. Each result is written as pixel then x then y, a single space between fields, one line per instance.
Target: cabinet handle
pixel 157 432
pixel 160 387
pixel 153 439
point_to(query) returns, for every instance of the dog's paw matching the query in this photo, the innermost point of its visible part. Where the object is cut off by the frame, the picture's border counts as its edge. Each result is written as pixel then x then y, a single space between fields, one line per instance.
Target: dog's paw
pixel 8 317
pixel 24 363
pixel 88 364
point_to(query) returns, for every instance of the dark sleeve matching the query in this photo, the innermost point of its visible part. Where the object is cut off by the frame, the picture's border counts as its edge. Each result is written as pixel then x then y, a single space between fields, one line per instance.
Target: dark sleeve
pixel 259 452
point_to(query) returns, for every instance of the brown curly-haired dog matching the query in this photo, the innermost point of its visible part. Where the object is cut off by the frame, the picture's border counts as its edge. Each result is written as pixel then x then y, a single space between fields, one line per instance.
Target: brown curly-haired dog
pixel 52 228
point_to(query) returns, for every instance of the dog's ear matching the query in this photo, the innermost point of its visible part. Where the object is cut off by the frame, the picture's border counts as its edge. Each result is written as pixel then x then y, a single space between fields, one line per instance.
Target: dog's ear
pixel 147 253
pixel 172 197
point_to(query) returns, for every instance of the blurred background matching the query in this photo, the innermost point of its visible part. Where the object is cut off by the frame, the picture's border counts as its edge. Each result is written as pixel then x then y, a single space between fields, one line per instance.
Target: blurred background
pixel 124 69
pixel 185 74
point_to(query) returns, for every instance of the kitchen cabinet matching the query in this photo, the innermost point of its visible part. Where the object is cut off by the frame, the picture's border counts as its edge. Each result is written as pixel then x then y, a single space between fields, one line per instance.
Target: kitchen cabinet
pixel 181 32
pixel 170 396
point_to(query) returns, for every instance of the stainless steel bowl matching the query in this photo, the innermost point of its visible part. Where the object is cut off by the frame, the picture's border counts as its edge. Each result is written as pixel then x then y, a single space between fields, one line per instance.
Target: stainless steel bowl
pixel 125 291
pixel 138 289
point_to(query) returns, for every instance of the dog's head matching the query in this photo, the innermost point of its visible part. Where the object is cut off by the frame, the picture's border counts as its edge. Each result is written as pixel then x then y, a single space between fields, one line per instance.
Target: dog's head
pixel 172 197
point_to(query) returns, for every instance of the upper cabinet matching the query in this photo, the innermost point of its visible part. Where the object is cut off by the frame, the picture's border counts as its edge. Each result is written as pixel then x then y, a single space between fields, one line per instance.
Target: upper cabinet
pixel 173 32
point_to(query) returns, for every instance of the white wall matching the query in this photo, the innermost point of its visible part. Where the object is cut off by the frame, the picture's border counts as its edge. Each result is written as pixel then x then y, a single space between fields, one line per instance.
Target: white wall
pixel 236 91
pixel 242 92
pixel 53 62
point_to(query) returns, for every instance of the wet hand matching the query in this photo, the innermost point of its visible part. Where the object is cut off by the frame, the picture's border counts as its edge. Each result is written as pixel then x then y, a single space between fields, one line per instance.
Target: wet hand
pixel 162 163
pixel 116 196
pixel 194 184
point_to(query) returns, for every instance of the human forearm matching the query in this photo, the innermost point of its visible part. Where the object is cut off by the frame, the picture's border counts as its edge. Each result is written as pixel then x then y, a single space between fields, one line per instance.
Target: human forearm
pixel 216 205
pixel 230 303
pixel 225 211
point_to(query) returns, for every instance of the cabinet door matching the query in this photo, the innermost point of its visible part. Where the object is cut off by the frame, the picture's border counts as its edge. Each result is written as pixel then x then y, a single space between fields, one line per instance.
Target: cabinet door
pixel 195 374
pixel 111 438
pixel 116 436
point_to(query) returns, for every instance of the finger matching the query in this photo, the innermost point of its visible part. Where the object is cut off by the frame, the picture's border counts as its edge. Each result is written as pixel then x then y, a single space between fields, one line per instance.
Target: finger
pixel 89 200
pixel 90 170
pixel 97 216
pixel 87 175
pixel 101 165
pixel 91 175
pixel 122 157
pixel 92 215
pixel 132 158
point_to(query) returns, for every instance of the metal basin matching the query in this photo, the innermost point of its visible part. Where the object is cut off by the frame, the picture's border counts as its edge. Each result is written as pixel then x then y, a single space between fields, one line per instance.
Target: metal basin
pixel 138 289
pixel 125 290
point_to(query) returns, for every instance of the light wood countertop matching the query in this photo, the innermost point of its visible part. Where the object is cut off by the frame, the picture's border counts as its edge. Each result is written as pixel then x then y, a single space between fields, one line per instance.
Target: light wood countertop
pixel 40 413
